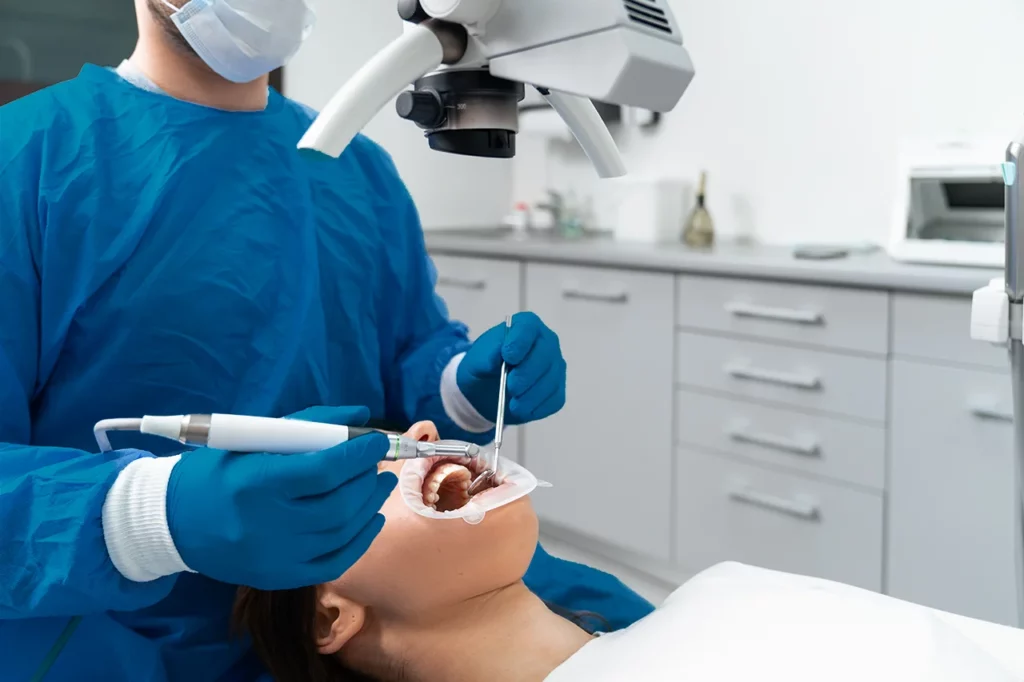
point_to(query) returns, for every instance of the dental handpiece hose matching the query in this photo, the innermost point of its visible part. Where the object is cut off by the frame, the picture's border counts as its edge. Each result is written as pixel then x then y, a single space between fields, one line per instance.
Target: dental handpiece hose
pixel 239 433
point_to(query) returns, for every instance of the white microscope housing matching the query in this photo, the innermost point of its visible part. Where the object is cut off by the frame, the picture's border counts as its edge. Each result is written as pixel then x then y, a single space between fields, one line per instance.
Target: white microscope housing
pixel 469 61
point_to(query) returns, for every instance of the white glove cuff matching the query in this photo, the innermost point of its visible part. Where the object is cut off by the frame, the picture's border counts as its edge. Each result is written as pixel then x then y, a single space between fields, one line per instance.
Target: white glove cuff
pixel 456 405
pixel 135 521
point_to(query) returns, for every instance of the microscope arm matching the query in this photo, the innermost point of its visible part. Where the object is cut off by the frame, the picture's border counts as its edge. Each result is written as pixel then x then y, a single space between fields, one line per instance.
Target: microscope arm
pixel 587 126
pixel 419 50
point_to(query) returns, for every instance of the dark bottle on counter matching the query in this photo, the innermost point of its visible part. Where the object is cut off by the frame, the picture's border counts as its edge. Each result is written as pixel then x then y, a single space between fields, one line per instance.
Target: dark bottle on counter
pixel 700 228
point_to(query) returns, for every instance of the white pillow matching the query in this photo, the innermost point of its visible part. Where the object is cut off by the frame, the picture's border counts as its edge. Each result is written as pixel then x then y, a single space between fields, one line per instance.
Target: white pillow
pixel 735 623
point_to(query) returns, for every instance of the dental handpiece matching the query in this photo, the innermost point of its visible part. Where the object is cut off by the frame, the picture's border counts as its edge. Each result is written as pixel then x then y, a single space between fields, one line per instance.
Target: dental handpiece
pixel 239 433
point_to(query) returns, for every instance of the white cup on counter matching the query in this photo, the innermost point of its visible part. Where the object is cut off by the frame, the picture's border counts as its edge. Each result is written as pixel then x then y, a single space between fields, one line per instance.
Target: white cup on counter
pixel 648 209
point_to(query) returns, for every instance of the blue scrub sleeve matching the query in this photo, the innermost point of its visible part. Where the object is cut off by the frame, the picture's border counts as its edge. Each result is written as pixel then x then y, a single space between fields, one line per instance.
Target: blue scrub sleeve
pixel 578 588
pixel 53 558
pixel 426 339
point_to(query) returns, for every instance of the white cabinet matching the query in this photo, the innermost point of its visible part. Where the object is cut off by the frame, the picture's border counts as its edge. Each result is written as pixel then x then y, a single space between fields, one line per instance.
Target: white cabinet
pixel 802 314
pixel 480 292
pixel 817 380
pixel 608 453
pixel 733 511
pixel 814 445
pixel 780 415
pixel 952 508
pixel 849 434
pixel 937 328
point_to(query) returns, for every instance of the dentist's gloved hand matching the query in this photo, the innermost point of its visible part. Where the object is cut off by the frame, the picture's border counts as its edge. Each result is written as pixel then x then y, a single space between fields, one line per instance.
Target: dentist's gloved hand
pixel 280 521
pixel 536 371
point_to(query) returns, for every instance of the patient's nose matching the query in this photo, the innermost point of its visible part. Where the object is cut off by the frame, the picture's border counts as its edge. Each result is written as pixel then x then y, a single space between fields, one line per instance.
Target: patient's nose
pixel 423 431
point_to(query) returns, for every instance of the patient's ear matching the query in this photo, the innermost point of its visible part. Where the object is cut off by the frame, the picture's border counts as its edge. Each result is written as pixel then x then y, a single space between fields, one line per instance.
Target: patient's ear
pixel 338 620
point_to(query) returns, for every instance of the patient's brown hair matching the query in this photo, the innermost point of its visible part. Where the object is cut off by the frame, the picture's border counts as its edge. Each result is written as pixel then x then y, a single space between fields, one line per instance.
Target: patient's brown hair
pixel 282 626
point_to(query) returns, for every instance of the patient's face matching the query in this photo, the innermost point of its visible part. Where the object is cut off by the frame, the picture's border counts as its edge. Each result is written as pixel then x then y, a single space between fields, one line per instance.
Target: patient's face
pixel 418 565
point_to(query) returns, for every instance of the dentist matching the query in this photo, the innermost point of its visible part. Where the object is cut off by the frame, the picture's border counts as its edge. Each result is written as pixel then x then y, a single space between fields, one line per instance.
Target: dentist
pixel 164 249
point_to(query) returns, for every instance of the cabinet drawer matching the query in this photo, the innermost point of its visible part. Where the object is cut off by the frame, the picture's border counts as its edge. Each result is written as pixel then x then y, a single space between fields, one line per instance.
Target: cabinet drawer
pixel 741 512
pixel 939 328
pixel 813 315
pixel 616 334
pixel 809 444
pixel 952 491
pixel 479 291
pixel 814 380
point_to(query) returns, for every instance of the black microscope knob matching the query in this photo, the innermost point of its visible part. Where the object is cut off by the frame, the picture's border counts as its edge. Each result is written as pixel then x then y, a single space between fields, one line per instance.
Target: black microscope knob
pixel 412 11
pixel 422 107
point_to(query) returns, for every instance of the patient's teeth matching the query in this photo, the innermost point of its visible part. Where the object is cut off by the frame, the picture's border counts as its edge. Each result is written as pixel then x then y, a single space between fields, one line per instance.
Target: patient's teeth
pixel 446 484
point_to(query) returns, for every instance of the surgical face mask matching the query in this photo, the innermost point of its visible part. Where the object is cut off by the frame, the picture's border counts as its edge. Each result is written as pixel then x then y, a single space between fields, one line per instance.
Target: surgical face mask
pixel 242 40
pixel 516 483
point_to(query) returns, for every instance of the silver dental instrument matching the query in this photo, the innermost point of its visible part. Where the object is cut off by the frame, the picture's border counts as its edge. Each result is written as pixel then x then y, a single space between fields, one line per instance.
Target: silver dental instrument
pixel 239 433
pixel 499 420
pixel 491 472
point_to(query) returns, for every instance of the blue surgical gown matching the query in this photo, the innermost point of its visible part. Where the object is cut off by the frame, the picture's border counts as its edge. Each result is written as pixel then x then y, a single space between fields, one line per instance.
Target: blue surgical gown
pixel 159 257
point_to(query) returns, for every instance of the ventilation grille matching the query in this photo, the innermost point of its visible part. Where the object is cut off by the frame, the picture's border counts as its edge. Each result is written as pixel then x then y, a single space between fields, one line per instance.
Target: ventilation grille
pixel 646 13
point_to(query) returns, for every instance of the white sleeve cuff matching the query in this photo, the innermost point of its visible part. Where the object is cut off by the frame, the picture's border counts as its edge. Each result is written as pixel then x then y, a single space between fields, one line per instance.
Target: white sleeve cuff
pixel 135 521
pixel 456 405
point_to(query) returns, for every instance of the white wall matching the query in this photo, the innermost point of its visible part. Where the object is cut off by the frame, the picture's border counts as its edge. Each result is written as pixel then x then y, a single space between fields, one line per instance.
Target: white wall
pixel 450 191
pixel 799 106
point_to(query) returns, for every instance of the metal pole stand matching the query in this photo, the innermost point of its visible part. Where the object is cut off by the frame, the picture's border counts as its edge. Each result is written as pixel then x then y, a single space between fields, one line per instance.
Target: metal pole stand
pixel 996 317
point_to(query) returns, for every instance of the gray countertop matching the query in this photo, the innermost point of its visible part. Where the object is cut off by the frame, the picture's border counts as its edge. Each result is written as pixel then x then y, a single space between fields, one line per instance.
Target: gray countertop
pixel 868 270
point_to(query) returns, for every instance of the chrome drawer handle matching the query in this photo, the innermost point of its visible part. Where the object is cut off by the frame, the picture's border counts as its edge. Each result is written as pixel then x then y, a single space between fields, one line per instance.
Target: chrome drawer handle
pixel 807 448
pixel 470 284
pixel 986 411
pixel 800 508
pixel 580 295
pixel 768 376
pixel 810 317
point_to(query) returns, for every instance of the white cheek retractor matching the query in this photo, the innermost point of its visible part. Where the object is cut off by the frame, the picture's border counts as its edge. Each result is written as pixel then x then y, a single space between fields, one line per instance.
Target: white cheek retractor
pixel 517 482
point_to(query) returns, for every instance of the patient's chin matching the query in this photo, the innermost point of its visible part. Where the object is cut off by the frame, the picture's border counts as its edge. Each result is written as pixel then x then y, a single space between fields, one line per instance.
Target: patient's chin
pixel 446 485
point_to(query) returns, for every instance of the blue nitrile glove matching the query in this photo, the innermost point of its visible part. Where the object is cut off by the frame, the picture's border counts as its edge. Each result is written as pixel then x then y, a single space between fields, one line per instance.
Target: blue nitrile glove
pixel 276 522
pixel 536 371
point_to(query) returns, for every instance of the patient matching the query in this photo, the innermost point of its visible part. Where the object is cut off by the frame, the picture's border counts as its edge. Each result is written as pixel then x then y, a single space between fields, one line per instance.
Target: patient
pixel 443 601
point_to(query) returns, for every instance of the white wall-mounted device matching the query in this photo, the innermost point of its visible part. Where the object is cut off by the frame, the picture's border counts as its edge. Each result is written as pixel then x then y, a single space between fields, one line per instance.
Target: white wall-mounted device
pixel 950 205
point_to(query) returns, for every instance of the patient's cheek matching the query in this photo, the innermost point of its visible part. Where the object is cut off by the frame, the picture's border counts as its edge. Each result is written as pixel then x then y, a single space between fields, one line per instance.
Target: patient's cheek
pixel 446 487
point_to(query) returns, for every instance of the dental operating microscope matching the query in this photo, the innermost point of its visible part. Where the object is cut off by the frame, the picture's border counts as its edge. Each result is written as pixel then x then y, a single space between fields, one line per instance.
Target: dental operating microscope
pixel 996 316
pixel 469 62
